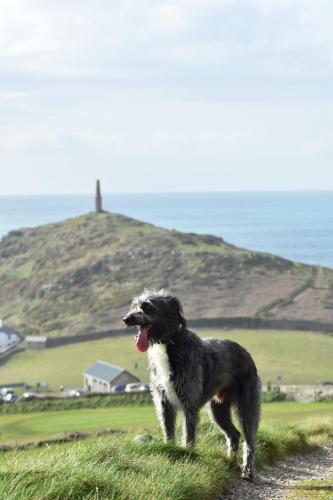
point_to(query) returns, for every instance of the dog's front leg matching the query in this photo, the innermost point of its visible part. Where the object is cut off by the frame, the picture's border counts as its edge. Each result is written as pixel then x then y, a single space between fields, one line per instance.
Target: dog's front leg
pixel 191 420
pixel 167 418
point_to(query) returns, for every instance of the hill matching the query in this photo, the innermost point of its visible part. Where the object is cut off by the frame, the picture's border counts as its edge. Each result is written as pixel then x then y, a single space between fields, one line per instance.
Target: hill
pixel 79 275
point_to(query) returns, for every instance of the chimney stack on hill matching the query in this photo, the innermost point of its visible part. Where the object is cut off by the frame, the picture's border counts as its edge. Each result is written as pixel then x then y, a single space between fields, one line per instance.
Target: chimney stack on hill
pixel 98 198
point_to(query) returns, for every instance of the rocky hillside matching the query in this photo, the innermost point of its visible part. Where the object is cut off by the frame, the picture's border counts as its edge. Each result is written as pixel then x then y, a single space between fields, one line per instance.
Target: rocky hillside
pixel 79 276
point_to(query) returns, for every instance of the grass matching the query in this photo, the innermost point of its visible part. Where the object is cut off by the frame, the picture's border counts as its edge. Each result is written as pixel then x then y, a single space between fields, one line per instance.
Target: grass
pixel 19 428
pixel 292 412
pixel 312 490
pixel 114 467
pixel 300 358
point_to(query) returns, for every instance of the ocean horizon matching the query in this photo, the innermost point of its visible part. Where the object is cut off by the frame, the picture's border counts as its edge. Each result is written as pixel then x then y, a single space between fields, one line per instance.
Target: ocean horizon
pixel 297 225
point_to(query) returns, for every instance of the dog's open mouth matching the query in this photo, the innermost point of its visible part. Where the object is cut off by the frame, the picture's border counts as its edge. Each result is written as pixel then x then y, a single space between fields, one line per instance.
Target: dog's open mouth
pixel 142 342
pixel 138 320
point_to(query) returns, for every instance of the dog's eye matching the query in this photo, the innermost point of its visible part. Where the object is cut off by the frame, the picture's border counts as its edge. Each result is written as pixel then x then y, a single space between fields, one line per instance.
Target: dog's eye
pixel 146 307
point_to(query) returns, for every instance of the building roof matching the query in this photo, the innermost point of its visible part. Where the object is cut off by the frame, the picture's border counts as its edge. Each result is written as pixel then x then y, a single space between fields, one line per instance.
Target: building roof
pixel 6 329
pixel 104 371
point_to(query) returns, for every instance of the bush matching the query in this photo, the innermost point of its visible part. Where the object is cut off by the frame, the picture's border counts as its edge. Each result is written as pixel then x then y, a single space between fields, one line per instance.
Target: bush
pixel 324 399
pixel 273 396
pixel 53 404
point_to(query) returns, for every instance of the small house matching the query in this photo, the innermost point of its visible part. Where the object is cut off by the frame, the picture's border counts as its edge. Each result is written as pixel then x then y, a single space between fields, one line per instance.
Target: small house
pixel 102 376
pixel 35 342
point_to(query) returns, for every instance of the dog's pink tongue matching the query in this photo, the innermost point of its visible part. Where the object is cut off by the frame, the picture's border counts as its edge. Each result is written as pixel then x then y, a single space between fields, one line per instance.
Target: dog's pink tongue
pixel 142 343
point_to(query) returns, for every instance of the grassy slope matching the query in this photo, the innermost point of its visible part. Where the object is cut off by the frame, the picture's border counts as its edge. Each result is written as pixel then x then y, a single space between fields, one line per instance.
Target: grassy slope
pixel 299 357
pixel 79 275
pixel 115 467
pixel 28 427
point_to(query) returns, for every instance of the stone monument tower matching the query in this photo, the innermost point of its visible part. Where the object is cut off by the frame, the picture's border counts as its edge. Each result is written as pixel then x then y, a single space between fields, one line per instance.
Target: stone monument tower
pixel 98 198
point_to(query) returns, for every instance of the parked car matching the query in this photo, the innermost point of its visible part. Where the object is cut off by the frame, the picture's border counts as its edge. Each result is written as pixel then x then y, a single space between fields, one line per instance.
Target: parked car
pixel 10 398
pixel 76 393
pixel 144 388
pixel 118 389
pixel 29 396
pixel 6 390
pixel 133 387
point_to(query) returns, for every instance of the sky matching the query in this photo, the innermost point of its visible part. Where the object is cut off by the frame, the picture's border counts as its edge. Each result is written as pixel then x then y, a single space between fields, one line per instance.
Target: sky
pixel 155 96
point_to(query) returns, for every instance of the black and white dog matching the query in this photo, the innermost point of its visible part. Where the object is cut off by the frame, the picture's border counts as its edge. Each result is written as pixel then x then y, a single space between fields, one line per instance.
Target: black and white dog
pixel 188 372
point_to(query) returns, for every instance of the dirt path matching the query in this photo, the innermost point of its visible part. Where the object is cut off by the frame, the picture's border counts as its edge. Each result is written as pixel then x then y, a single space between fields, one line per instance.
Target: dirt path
pixel 282 480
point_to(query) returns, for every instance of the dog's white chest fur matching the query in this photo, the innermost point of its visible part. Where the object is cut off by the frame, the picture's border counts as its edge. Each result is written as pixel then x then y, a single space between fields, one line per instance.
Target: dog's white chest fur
pixel 158 357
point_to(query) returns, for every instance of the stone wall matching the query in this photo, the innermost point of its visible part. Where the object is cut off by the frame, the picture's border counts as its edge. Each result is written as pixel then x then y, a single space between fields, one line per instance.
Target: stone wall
pixel 305 392
pixel 228 323
pixel 73 339
pixel 261 324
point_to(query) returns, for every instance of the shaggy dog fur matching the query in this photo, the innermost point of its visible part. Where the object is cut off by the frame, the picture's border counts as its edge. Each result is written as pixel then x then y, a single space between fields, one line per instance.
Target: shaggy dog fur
pixel 187 372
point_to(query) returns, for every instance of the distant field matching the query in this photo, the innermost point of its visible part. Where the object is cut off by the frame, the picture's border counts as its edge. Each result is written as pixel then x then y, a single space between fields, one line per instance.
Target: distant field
pixel 300 358
pixel 20 428
pixel 29 427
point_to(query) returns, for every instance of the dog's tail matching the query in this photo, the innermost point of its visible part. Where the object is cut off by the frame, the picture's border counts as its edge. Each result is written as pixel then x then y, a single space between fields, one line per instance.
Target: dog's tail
pixel 247 405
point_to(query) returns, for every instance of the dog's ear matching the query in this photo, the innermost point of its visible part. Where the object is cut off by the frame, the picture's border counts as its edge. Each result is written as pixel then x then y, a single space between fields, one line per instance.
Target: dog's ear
pixel 182 319
pixel 179 311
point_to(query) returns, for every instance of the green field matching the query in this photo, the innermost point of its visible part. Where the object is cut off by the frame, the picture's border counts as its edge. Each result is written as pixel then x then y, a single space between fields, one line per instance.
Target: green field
pixel 18 428
pixel 113 467
pixel 300 358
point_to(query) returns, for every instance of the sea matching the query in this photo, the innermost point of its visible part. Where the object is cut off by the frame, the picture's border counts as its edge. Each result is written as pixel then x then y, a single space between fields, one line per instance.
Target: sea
pixel 294 225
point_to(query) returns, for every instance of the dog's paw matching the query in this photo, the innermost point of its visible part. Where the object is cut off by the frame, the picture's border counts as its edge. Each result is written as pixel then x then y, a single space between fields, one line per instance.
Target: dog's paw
pixel 247 474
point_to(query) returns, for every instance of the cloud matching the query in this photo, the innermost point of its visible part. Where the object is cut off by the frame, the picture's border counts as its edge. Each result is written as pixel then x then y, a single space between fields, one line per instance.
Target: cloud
pixel 165 43
pixel 177 84
pixel 168 18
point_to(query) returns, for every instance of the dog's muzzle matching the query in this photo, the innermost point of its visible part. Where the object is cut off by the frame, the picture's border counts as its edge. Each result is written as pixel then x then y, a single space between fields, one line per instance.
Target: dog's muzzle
pixel 134 319
pixel 138 319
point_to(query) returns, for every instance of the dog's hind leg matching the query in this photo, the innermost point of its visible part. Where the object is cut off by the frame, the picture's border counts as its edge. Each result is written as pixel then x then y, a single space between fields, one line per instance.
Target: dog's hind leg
pixel 248 409
pixel 221 415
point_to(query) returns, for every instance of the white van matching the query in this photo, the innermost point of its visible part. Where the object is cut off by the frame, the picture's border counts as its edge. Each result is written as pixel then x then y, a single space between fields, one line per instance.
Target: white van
pixel 6 390
pixel 133 387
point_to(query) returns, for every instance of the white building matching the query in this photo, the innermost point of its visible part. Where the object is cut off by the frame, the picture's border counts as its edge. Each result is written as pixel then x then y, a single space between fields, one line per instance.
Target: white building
pixel 102 376
pixel 8 337
pixel 35 342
